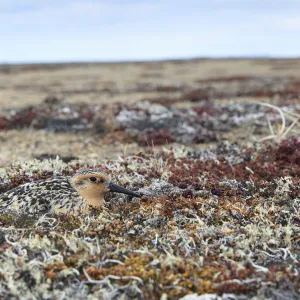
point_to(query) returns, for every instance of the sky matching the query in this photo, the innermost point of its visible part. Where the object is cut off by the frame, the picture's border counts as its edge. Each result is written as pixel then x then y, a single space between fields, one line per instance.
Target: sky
pixel 118 30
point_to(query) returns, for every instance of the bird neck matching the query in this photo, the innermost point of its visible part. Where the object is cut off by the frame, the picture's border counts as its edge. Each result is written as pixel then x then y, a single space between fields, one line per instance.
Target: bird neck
pixel 96 202
pixel 93 199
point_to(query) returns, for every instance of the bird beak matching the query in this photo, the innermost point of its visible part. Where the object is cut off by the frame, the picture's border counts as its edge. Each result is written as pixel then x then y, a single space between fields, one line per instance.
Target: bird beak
pixel 119 189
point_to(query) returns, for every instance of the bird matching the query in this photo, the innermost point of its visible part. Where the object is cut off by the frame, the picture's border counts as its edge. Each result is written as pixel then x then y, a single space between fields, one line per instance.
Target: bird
pixel 76 194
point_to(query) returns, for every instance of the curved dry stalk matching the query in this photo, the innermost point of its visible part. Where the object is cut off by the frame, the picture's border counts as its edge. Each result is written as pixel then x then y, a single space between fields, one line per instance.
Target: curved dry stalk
pixel 283 124
pixel 283 131
pixel 290 127
pixel 293 117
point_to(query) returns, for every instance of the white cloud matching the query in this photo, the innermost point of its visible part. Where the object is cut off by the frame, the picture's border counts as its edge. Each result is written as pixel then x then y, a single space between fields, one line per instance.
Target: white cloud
pixel 292 24
pixel 83 30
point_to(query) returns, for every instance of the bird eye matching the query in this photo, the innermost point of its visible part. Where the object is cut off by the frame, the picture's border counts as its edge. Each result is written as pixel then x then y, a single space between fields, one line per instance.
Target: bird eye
pixel 93 179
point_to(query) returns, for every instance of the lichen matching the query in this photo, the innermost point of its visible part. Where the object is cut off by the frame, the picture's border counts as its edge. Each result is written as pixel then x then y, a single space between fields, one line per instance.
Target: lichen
pixel 219 215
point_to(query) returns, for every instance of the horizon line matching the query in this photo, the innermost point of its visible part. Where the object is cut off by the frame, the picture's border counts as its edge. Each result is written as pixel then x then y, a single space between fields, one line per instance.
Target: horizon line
pixel 146 60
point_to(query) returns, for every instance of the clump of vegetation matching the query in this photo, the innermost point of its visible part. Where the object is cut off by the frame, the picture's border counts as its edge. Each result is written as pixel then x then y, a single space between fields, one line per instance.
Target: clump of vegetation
pixel 219 176
pixel 205 226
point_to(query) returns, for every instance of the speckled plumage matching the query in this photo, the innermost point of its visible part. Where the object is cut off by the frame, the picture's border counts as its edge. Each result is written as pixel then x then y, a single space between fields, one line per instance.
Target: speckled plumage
pixel 89 171
pixel 61 194
pixel 45 196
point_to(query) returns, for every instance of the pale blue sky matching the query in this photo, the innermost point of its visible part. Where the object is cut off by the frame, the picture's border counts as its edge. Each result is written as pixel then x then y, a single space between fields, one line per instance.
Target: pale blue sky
pixel 88 30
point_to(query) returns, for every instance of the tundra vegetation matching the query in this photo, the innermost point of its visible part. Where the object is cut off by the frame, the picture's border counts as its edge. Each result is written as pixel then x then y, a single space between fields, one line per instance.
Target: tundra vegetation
pixel 216 157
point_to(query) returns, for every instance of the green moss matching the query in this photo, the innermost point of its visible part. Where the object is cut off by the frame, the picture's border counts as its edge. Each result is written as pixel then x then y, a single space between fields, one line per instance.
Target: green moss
pixel 25 221
pixel 7 220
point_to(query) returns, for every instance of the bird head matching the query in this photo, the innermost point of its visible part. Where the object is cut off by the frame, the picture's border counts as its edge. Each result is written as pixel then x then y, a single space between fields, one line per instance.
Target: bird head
pixel 92 185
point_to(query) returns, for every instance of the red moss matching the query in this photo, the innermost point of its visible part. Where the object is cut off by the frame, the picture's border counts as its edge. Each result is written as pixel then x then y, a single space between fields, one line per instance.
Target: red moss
pixel 23 118
pixel 156 138
pixel 168 88
pixel 207 109
pixel 87 112
pixel 288 151
pixel 225 79
pixel 4 123
pixel 272 162
pixel 283 160
pixel 197 95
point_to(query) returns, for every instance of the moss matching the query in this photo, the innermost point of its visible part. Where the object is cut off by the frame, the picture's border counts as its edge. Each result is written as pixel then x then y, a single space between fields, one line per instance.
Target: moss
pixel 23 220
pixel 217 219
pixel 69 222
pixel 7 220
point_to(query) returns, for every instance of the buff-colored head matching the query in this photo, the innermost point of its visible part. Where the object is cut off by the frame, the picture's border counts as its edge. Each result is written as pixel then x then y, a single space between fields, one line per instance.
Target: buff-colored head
pixel 93 184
